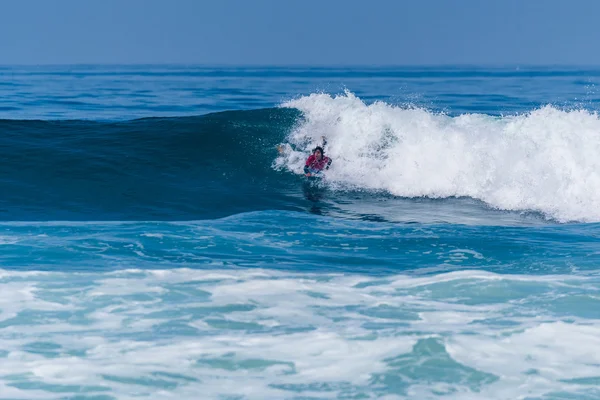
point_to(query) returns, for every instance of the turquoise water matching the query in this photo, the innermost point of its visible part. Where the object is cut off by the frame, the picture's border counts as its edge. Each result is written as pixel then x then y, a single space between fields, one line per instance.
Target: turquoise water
pixel 156 244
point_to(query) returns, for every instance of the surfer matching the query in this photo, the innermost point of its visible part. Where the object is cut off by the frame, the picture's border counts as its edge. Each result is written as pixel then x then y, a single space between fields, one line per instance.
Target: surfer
pixel 317 161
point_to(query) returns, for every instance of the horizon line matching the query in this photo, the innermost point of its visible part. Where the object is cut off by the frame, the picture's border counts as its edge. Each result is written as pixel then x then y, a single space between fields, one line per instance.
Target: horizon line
pixel 291 65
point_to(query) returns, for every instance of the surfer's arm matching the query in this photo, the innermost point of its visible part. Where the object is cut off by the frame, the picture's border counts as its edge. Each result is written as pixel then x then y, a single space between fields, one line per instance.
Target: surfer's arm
pixel 328 159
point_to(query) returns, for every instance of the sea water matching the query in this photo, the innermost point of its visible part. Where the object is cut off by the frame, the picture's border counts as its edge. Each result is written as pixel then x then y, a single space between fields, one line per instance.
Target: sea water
pixel 154 243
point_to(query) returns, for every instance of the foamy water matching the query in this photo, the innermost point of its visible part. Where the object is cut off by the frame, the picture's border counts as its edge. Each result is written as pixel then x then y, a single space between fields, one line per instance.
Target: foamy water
pixel 545 160
pixel 263 334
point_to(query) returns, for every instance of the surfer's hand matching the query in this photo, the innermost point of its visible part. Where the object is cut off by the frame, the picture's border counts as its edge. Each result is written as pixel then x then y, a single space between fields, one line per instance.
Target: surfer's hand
pixel 308 174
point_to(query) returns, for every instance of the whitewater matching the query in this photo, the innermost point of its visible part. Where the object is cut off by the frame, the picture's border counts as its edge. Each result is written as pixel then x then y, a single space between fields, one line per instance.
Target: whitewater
pixel 544 161
pixel 154 243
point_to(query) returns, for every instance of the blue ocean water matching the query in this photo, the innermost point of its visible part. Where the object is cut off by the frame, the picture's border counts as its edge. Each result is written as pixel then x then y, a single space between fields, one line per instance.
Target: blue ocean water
pixel 157 244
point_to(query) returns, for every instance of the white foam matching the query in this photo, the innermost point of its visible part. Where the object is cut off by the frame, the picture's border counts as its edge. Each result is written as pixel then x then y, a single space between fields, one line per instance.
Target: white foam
pixel 537 361
pixel 546 160
pixel 259 334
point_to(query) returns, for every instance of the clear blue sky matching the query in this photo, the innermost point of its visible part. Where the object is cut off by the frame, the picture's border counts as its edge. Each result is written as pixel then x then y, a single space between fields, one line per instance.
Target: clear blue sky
pixel 333 32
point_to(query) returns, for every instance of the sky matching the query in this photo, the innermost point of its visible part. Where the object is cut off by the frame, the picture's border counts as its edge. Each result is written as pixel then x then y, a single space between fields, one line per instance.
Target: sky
pixel 300 32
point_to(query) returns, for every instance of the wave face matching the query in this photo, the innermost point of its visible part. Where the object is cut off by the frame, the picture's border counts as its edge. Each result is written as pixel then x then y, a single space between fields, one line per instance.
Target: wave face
pixel 186 168
pixel 163 168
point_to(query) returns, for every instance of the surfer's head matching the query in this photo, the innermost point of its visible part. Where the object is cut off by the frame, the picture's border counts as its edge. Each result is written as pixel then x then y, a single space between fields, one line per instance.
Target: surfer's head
pixel 318 152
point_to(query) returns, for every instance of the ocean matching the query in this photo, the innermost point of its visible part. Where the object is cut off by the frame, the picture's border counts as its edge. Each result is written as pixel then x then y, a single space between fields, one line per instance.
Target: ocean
pixel 155 243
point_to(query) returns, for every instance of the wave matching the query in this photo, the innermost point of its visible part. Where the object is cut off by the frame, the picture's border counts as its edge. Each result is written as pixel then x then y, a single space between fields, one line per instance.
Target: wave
pixel 153 168
pixel 544 161
pixel 390 163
